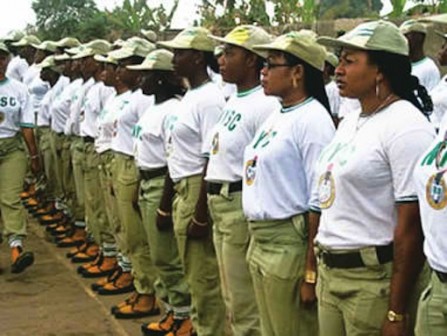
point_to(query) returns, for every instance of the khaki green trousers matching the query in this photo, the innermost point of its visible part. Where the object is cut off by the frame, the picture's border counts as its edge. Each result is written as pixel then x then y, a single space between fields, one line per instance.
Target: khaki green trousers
pixel 125 186
pixel 171 286
pixel 432 310
pixel 95 209
pixel 106 165
pixel 354 302
pixel 199 262
pixel 231 239
pixel 56 142
pixel 75 182
pixel 44 138
pixel 276 258
pixel 13 165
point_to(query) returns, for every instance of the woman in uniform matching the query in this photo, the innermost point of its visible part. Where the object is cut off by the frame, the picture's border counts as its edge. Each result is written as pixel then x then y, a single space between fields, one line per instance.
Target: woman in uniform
pixel 151 134
pixel 16 123
pixel 243 114
pixel 369 237
pixel 278 182
pixel 188 146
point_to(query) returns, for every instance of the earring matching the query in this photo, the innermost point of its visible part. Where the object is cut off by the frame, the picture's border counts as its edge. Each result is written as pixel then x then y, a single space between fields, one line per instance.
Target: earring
pixel 159 82
pixel 377 90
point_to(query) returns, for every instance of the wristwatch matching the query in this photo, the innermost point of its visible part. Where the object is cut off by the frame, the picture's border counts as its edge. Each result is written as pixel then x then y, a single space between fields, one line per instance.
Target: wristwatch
pixel 394 317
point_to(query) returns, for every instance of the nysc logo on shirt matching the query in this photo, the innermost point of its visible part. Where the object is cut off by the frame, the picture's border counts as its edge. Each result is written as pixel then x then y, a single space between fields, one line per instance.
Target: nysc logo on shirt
pixel 436 189
pixel 7 101
pixel 230 119
pixel 264 138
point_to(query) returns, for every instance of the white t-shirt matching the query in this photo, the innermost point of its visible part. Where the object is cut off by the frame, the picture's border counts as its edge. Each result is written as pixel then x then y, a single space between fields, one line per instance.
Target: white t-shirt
pixel 44 111
pixel 17 68
pixel 94 102
pixel 60 109
pixel 279 175
pixel 77 105
pixel 347 106
pixel 333 95
pixel 243 114
pixel 365 171
pixel 439 98
pixel 38 89
pixel 430 180
pixel 106 119
pixel 126 119
pixel 427 72
pixel 188 145
pixel 15 108
pixel 151 134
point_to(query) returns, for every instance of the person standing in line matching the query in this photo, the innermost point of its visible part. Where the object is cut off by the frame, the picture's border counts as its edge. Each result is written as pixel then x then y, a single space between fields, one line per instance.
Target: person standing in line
pixel 93 102
pixel 370 266
pixel 121 279
pixel 126 183
pixel 188 148
pixel 243 114
pixel 423 67
pixel 51 74
pixel 429 177
pixel 77 146
pixel 150 138
pixel 17 66
pixel 278 186
pixel 60 110
pixel 16 124
pixel 55 190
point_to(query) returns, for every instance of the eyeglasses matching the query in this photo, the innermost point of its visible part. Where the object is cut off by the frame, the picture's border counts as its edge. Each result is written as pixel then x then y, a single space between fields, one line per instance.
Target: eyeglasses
pixel 269 65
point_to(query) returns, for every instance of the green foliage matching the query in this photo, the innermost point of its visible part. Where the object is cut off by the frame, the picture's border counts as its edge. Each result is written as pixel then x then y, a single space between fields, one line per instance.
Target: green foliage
pixel 398 8
pixel 134 15
pixel 335 9
pixel 82 19
pixel 236 12
pixel 60 18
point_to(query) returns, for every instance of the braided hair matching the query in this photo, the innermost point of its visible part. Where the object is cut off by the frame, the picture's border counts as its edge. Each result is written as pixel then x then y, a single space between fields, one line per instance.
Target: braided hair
pixel 397 70
pixel 313 81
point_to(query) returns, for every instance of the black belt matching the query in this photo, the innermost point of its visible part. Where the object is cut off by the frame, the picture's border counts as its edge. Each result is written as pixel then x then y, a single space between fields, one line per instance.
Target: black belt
pixel 441 276
pixel 153 173
pixel 214 188
pixel 354 259
pixel 88 139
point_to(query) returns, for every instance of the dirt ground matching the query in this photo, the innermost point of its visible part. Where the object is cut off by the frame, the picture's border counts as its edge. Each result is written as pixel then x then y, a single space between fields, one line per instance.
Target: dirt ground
pixel 51 299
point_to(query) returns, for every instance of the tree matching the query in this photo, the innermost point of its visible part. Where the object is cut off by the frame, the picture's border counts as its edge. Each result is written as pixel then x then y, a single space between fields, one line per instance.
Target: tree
pixel 335 9
pixel 59 18
pixel 234 13
pixel 398 8
pixel 134 15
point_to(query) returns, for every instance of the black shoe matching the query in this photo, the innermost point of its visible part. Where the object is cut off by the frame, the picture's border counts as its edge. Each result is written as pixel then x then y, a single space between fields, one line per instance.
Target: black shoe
pixel 21 260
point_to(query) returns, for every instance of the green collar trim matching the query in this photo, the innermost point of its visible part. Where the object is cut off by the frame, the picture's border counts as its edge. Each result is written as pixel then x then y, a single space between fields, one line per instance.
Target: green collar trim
pixel 294 107
pixel 248 92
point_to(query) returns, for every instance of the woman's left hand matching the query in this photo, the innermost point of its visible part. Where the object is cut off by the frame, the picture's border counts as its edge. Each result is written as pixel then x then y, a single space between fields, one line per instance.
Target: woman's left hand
pixel 35 165
pixel 197 230
pixel 307 295
pixel 394 328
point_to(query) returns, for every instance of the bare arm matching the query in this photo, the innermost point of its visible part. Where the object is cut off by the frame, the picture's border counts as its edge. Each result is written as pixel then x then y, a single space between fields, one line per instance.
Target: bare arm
pixel 408 255
pixel 407 263
pixel 307 291
pixel 30 140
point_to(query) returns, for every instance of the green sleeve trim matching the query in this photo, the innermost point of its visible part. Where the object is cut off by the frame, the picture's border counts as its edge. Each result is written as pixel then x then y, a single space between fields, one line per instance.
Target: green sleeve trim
pixel 27 125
